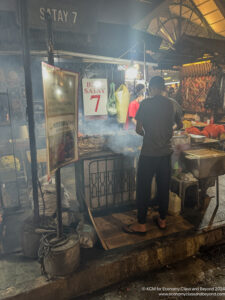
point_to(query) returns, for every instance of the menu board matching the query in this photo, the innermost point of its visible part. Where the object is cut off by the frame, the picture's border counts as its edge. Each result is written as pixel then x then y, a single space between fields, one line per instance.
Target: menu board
pixel 61 116
pixel 95 96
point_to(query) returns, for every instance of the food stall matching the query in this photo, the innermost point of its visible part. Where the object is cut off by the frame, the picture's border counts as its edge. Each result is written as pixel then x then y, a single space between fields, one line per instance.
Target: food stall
pixel 105 174
pixel 202 151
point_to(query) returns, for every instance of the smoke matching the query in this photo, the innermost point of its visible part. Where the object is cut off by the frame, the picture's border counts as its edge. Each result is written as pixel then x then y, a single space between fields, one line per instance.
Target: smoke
pixel 126 142
pixel 118 139
pixel 97 126
pixel 12 79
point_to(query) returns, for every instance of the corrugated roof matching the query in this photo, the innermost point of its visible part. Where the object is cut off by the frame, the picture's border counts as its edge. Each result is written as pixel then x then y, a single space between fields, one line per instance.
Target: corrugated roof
pixel 212 11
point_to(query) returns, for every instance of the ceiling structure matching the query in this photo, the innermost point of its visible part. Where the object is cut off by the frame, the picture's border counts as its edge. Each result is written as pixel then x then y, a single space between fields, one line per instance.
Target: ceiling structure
pixel 214 13
pixel 173 21
pixel 197 22
pixel 174 18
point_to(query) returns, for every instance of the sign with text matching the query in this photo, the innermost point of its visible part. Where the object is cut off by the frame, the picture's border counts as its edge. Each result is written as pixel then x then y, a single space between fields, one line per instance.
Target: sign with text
pixel 95 96
pixel 61 116
pixel 67 15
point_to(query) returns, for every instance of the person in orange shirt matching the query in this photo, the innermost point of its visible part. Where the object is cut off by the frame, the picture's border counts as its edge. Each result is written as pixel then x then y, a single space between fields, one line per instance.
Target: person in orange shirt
pixel 134 106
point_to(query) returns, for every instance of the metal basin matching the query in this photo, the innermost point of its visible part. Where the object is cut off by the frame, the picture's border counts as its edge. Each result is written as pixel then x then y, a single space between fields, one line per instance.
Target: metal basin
pixel 180 140
pixel 197 138
pixel 203 163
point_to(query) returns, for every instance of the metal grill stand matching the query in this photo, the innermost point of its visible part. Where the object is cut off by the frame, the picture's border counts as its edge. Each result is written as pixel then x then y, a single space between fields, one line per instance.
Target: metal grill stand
pixel 110 183
pixel 59 254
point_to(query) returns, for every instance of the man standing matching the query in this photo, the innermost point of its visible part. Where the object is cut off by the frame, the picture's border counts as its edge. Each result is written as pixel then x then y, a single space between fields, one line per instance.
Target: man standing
pixel 134 106
pixel 155 120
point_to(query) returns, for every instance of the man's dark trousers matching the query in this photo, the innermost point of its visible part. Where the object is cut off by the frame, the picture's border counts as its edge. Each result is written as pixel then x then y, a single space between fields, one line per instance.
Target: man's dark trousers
pixel 148 166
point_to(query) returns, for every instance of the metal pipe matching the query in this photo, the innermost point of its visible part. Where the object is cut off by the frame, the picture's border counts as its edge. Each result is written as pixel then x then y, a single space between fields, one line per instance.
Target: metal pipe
pixel 29 98
pixel 13 148
pixel 50 46
pixel 59 204
pixel 217 191
pixel 87 58
pixel 144 62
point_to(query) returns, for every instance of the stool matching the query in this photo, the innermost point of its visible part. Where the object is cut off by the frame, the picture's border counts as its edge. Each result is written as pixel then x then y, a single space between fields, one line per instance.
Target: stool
pixel 183 185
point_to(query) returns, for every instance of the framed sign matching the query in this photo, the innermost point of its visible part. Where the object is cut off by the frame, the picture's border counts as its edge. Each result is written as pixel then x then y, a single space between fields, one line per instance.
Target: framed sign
pixel 61 116
pixel 68 15
pixel 95 96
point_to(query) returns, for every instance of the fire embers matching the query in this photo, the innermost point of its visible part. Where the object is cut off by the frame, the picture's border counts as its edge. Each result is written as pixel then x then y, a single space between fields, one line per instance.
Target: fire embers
pixel 94 143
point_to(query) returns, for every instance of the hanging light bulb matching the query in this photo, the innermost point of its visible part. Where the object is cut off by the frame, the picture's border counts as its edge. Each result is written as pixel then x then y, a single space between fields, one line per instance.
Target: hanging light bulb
pixel 131 72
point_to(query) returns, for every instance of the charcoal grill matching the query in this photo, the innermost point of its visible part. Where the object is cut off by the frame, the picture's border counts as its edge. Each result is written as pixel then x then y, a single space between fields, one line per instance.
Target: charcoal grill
pixel 205 163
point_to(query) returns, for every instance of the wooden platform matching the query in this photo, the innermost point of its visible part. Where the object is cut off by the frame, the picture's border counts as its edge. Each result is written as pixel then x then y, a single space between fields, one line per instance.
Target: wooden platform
pixel 111 235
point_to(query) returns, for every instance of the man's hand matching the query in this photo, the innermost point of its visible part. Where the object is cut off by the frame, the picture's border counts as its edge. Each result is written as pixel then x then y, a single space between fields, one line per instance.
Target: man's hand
pixel 179 124
pixel 134 121
pixel 139 128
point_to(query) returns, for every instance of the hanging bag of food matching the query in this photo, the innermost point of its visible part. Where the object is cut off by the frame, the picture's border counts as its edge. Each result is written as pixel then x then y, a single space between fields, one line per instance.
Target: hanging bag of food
pixel 111 105
pixel 122 103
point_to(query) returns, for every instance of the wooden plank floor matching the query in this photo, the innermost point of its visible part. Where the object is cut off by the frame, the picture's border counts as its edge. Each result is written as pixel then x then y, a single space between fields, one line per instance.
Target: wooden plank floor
pixel 109 228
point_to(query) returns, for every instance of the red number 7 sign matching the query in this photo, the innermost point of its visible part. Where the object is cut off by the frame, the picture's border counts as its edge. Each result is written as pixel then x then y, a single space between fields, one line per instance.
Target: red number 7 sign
pixel 98 99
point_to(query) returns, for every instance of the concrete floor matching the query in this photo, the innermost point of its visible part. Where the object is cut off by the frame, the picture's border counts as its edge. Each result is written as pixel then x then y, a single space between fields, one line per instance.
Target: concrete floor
pixel 15 270
pixel 19 275
pixel 20 278
pixel 203 273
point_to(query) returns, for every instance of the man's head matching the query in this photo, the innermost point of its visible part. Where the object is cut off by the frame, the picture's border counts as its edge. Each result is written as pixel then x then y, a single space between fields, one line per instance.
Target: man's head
pixel 156 85
pixel 139 91
pixel 171 92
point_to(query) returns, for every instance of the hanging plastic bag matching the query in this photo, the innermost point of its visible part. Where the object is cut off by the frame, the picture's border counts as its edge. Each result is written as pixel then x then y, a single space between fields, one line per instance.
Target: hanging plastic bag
pixel 111 105
pixel 122 103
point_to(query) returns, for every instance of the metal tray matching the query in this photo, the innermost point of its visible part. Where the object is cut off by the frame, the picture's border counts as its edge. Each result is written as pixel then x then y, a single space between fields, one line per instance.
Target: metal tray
pixel 197 138
pixel 204 163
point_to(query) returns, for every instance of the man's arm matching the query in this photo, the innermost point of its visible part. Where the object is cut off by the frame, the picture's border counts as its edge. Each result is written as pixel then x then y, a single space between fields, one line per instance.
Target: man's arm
pixel 178 118
pixel 178 114
pixel 178 121
pixel 139 128
pixel 134 121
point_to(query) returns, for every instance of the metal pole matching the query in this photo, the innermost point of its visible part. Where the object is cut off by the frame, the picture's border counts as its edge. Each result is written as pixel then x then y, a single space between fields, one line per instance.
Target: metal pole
pixel 50 44
pixel 217 191
pixel 59 203
pixel 13 148
pixel 48 20
pixel 29 97
pixel 144 62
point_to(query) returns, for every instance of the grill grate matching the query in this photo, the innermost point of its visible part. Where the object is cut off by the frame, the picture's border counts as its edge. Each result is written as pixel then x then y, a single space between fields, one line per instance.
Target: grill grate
pixel 112 182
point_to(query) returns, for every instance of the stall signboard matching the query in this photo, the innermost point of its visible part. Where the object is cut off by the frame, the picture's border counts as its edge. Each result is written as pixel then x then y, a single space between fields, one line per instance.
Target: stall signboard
pixel 61 116
pixel 68 15
pixel 95 96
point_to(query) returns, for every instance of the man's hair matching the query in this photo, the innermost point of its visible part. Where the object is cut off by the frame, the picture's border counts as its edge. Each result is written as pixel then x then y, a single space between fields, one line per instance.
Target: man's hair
pixel 157 82
pixel 139 89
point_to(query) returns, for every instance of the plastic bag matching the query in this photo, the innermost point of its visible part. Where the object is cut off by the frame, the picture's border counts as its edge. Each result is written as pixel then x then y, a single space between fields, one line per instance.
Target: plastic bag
pixel 47 197
pixel 122 103
pixel 87 235
pixel 111 105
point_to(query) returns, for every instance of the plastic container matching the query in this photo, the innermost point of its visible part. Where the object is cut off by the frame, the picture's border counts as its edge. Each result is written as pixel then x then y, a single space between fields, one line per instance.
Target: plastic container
pixel 174 208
